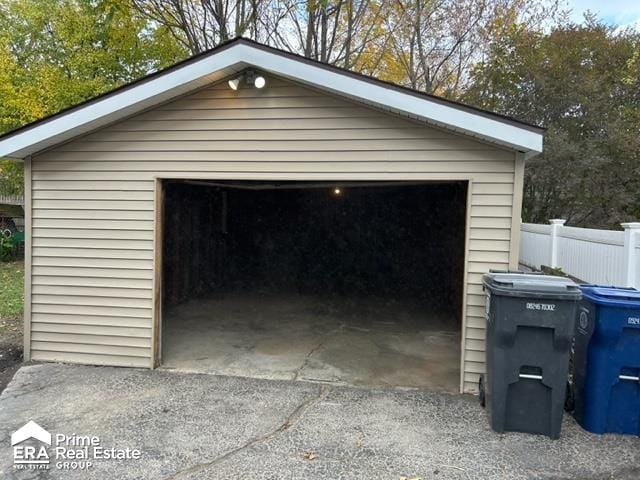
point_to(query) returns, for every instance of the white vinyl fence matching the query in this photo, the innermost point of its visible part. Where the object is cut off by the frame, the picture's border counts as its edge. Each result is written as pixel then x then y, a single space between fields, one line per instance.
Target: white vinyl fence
pixel 11 199
pixel 605 257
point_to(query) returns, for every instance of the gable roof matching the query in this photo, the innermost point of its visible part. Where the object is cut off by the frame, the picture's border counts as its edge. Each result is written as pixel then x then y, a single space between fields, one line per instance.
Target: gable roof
pixel 237 55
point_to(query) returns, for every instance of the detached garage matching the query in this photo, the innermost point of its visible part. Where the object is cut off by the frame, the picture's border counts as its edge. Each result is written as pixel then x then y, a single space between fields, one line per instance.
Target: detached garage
pixel 252 212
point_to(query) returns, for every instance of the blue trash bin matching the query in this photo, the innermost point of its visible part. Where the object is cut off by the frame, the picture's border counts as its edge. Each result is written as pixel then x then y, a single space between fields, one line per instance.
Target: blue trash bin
pixel 606 367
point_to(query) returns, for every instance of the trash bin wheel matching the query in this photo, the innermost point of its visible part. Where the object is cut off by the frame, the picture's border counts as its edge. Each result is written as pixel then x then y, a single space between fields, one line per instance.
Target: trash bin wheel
pixel 569 398
pixel 481 394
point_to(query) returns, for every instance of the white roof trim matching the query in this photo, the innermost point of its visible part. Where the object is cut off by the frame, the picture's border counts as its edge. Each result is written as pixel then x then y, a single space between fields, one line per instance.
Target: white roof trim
pixel 237 56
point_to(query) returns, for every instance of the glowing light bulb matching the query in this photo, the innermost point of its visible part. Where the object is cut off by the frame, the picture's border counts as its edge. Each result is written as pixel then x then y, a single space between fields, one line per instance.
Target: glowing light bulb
pixel 337 191
pixel 259 81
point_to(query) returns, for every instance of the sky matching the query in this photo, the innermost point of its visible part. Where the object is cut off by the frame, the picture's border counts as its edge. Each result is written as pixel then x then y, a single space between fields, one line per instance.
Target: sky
pixel 616 12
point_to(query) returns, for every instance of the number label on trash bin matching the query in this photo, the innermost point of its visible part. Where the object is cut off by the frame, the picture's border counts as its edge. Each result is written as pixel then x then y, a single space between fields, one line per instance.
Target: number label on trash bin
pixel 549 307
pixel 633 321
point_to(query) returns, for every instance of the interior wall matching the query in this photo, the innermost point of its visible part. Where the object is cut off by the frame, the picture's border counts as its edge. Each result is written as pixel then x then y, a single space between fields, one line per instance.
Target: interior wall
pixel 195 245
pixel 398 241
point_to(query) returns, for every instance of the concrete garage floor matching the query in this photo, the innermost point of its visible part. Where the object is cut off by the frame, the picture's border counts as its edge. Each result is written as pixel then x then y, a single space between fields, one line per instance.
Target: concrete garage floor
pixel 206 427
pixel 345 341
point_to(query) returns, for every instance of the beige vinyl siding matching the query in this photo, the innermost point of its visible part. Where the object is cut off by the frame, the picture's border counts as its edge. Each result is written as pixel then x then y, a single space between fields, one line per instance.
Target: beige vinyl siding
pixel 93 202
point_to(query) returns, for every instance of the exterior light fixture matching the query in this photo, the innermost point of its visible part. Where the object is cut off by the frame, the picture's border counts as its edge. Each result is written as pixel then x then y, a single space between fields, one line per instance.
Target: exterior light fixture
pixel 250 78
pixel 254 78
pixel 259 81
pixel 337 191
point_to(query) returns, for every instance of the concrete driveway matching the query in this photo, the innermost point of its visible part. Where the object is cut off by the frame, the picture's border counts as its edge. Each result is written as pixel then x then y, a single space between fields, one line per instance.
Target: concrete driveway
pixel 194 426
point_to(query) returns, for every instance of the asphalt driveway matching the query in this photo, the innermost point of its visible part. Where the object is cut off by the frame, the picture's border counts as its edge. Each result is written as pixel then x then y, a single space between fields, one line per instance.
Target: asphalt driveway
pixel 193 426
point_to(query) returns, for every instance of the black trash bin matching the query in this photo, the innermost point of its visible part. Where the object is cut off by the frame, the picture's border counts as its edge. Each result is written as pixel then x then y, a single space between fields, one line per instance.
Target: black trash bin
pixel 530 327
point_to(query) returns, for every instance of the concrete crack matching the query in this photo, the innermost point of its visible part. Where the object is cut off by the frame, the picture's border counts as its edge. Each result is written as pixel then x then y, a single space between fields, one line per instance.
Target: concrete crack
pixel 292 419
pixel 298 370
pixel 327 335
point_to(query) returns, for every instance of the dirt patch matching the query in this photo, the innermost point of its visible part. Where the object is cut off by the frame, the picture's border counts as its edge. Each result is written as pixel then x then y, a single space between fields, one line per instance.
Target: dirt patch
pixel 10 348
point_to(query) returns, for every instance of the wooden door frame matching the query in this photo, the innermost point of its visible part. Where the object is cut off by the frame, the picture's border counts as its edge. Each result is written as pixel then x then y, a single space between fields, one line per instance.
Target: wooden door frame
pixel 158 229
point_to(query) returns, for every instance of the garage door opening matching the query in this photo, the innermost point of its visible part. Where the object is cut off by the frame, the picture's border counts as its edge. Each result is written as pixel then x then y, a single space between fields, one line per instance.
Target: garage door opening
pixel 348 283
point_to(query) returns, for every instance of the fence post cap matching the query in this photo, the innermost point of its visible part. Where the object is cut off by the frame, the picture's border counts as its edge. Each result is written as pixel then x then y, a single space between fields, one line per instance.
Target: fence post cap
pixel 557 221
pixel 631 225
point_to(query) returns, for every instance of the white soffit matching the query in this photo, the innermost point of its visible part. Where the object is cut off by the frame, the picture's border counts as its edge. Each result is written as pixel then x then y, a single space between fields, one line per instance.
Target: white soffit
pixel 238 55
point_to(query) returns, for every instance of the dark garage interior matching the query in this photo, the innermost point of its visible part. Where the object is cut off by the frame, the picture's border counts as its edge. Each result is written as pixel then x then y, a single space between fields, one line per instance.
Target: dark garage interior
pixel 350 283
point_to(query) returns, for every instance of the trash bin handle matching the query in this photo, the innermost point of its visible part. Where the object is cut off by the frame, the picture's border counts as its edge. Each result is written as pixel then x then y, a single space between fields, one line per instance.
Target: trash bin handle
pixel 530 376
pixel 629 377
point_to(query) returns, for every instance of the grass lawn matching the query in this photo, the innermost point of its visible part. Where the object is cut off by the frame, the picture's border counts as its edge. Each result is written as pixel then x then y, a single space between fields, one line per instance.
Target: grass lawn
pixel 11 303
pixel 11 290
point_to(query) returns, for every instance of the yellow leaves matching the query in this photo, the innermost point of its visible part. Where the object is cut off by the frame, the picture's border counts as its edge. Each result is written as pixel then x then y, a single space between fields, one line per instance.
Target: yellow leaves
pixel 55 53
pixel 11 177
pixel 632 71
pixel 308 455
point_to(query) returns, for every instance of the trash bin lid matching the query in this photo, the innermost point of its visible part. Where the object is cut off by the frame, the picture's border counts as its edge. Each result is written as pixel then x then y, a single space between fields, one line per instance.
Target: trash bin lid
pixel 519 284
pixel 613 296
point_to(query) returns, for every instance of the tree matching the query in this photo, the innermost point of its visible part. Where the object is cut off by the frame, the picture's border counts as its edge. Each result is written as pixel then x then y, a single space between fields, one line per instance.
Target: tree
pixel 338 32
pixel 583 84
pixel 436 42
pixel 332 31
pixel 201 25
pixel 55 53
pixel 11 178
pixel 425 44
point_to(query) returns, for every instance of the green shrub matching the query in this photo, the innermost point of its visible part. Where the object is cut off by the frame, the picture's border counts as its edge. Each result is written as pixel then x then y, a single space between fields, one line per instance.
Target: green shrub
pixel 7 248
